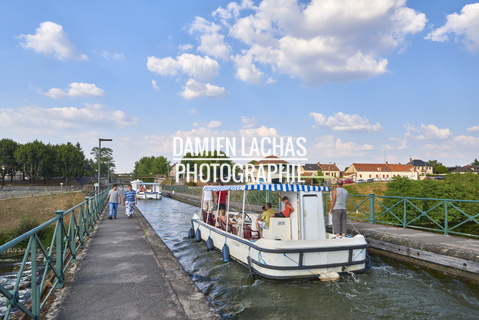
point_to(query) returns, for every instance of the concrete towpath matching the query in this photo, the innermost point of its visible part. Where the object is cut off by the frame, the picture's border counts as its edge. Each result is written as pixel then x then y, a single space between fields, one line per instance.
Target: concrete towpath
pixel 129 273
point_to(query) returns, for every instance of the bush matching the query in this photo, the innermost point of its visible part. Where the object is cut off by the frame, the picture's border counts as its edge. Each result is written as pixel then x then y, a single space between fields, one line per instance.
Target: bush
pixel 455 186
pixel 26 224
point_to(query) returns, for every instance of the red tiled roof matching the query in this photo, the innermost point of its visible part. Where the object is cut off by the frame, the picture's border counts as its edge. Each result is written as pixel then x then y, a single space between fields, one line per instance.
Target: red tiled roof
pixel 381 167
pixel 328 167
pixel 271 159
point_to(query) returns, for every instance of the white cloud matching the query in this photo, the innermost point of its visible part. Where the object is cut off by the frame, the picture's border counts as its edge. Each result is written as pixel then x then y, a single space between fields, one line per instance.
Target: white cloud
pixel 345 122
pixel 109 55
pixel 465 26
pixel 248 122
pixel 211 41
pixel 246 70
pixel 323 41
pixel 164 144
pixel 334 148
pixel 427 132
pixel 194 89
pixel 51 40
pixel 75 89
pixel 155 85
pixel 200 68
pixel 34 119
pixel 232 10
pixel 467 141
pixel 475 128
pixel 214 124
pixel 185 47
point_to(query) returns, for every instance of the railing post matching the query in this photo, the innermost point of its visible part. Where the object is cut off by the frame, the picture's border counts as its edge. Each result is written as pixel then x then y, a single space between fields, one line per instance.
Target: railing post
pixel 446 220
pixel 59 249
pixel 83 222
pixel 371 208
pixel 34 282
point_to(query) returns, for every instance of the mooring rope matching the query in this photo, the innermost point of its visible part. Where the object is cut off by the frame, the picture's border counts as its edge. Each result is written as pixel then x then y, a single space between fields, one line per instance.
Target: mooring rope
pixel 284 254
pixel 358 254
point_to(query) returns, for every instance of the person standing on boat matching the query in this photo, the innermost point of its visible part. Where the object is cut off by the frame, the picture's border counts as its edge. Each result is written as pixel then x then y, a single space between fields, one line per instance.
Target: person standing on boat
pixel 113 199
pixel 129 201
pixel 207 200
pixel 338 209
pixel 288 208
pixel 221 196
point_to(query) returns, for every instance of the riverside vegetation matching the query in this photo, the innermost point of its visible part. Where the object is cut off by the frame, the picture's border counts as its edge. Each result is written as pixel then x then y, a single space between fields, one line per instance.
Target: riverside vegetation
pixel 23 214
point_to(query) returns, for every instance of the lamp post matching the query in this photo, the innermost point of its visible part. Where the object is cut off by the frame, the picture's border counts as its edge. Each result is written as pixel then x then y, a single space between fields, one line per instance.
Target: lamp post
pixel 99 159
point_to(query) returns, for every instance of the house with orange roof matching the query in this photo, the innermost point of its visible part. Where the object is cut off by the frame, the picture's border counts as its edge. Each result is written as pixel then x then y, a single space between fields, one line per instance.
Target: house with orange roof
pixel 380 171
pixel 276 165
pixel 330 169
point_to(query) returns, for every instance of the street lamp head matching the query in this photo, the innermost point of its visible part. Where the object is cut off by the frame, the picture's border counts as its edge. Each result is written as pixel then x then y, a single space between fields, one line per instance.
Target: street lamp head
pixel 101 139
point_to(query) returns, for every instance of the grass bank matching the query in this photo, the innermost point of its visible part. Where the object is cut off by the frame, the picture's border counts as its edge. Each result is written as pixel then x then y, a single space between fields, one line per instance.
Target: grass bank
pixel 378 188
pixel 22 214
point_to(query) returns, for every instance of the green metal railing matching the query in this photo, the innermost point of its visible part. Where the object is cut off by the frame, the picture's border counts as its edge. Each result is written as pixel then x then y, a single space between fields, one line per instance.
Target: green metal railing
pixel 48 264
pixel 447 216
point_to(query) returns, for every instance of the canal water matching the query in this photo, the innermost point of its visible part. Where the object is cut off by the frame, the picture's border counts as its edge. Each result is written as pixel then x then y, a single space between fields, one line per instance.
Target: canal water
pixel 389 290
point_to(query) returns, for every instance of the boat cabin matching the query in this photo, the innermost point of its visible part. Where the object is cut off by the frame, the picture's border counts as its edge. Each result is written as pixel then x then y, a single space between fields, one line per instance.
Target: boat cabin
pixel 306 222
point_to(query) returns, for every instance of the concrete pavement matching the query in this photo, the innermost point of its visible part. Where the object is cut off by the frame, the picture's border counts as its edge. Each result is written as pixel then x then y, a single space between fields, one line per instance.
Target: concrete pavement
pixel 129 273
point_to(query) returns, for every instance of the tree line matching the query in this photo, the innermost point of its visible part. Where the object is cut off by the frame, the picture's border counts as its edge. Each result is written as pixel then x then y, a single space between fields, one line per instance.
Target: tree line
pixel 36 159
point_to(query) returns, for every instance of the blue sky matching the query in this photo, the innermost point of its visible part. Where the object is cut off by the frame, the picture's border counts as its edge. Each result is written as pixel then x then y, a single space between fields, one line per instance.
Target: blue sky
pixel 361 81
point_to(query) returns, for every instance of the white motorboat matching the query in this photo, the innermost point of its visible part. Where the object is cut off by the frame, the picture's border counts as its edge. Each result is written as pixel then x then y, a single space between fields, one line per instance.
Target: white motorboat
pixel 146 190
pixel 297 247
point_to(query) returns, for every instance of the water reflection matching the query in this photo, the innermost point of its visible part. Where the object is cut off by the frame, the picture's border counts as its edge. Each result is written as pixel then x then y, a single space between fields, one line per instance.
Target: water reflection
pixel 387 291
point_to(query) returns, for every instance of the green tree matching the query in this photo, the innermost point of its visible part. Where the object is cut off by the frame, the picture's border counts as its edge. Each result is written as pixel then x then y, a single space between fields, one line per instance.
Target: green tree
pixel 213 168
pixel 318 180
pixel 152 165
pixel 475 162
pixel 70 161
pixel 107 164
pixel 50 167
pixel 8 163
pixel 438 167
pixel 34 159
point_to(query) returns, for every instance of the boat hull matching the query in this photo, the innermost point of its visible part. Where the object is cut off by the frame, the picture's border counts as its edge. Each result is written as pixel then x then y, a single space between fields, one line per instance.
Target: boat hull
pixel 290 259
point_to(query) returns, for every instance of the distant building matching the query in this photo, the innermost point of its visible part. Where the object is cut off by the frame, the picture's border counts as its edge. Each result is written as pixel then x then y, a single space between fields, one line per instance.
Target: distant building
pixel 173 169
pixel 380 171
pixel 330 169
pixel 421 167
pixel 310 169
pixel 468 168
pixel 276 165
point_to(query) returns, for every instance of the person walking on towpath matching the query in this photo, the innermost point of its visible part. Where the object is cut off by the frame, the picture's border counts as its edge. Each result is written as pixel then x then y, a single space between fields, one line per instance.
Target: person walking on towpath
pixel 113 199
pixel 338 210
pixel 130 201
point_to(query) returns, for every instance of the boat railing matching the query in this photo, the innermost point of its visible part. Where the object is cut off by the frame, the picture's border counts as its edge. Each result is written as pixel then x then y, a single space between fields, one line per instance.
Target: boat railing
pixel 256 197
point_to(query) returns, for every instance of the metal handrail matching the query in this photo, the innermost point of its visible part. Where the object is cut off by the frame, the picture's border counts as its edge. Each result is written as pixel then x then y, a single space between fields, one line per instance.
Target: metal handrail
pixel 447 216
pixel 48 265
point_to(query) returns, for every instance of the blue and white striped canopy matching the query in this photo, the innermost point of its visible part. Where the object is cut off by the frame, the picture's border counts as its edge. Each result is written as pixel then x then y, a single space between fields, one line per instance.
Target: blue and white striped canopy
pixel 268 187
